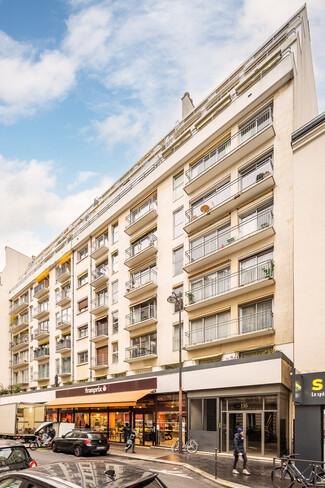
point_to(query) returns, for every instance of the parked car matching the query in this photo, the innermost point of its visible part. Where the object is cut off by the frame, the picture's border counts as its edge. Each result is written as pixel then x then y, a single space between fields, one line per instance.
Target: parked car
pixel 90 474
pixel 14 456
pixel 82 442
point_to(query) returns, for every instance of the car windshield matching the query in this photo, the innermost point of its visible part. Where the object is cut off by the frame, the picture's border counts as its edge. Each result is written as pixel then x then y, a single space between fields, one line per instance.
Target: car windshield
pixel 96 436
pixel 12 455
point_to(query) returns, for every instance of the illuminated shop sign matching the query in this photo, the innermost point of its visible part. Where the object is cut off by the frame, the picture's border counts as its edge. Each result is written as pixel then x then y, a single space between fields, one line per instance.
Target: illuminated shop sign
pixel 309 388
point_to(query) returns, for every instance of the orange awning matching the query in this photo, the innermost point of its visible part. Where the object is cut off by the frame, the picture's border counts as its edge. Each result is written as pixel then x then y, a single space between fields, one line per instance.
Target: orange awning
pixel 122 399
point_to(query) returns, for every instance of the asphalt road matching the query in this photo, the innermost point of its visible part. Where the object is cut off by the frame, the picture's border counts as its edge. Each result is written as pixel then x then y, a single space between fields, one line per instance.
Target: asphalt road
pixel 172 476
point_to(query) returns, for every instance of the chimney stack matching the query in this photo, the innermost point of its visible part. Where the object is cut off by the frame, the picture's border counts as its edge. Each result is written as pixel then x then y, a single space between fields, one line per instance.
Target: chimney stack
pixel 187 105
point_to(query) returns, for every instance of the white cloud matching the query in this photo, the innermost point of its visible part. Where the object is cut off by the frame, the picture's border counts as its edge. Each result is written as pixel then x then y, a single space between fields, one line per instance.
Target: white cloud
pixel 82 177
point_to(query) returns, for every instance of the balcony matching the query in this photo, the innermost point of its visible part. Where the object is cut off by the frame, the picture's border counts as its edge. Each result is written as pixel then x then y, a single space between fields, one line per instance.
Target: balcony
pixel 18 362
pixel 42 333
pixel 245 281
pixel 229 197
pixel 141 216
pixel 98 362
pixel 228 152
pixel 63 345
pixel 99 333
pixel 99 276
pixel 19 305
pixel 230 240
pixel 19 342
pixel 63 321
pixel 63 298
pixel 99 248
pixel 138 353
pixel 24 380
pixel 41 289
pixel 65 369
pixel 41 311
pixel 41 375
pixel 140 318
pixel 19 324
pixel 41 353
pixel 141 251
pixel 141 285
pixel 63 272
pixel 99 305
pixel 259 324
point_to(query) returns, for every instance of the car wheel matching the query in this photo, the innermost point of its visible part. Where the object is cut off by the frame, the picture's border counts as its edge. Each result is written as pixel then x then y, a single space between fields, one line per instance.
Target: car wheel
pixel 53 447
pixel 77 451
pixel 104 453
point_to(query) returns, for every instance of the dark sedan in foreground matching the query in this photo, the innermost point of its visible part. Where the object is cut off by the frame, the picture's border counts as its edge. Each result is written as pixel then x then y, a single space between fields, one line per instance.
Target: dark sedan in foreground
pixel 81 442
pixel 82 474
pixel 14 456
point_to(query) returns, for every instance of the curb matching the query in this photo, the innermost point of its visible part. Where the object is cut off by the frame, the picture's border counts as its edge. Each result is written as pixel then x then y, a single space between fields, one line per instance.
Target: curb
pixel 204 474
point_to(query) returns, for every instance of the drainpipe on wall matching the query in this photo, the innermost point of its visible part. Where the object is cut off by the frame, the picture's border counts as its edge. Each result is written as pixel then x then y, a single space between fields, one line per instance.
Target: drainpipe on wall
pixel 90 321
pixel 72 316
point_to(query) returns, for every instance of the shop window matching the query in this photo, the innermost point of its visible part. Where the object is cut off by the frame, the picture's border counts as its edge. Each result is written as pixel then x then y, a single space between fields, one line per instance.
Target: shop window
pixel 83 305
pixel 83 253
pixel 81 418
pixel 178 261
pixel 83 279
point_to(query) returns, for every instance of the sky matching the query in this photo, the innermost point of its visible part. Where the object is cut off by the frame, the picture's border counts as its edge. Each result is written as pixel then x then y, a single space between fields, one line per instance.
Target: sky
pixel 87 87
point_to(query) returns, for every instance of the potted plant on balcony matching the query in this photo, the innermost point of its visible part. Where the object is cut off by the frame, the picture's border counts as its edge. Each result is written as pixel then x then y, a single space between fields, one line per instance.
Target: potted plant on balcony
pixel 260 176
pixel 268 271
pixel 230 240
pixel 190 297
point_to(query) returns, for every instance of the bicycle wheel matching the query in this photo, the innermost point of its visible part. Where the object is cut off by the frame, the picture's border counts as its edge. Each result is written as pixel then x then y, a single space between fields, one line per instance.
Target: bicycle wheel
pixel 33 445
pixel 174 446
pixel 192 446
pixel 282 479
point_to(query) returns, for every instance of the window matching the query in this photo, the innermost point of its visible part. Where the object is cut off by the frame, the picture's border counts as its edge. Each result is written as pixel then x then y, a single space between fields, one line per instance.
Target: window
pixel 178 183
pixel 83 305
pixel 114 352
pixel 142 243
pixel 179 290
pixel 115 291
pixel 176 337
pixel 210 159
pixel 256 267
pixel 115 262
pixel 83 357
pixel 114 232
pixel 212 327
pixel 256 172
pixel 101 298
pixel 256 352
pixel 101 240
pixel 83 253
pixel 83 279
pixel 178 222
pixel 57 366
pixel 256 316
pixel 114 322
pixel 256 220
pixel 143 311
pixel 210 285
pixel 210 243
pixel 143 345
pixel 83 332
pixel 178 261
pixel 255 124
pixel 143 276
pixel 220 194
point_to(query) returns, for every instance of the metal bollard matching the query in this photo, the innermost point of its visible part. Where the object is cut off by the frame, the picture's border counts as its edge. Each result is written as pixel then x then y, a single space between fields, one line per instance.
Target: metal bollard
pixel 216 463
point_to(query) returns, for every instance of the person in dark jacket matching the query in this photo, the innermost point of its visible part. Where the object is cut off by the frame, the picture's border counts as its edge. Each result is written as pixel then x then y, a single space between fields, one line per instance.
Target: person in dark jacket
pixel 126 432
pixel 239 450
pixel 130 442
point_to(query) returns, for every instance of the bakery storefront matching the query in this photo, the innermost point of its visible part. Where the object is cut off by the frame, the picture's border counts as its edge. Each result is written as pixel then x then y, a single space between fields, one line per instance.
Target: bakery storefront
pixel 107 407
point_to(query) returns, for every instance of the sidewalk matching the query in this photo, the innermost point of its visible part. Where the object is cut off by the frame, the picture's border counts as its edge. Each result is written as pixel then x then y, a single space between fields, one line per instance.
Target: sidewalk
pixel 203 463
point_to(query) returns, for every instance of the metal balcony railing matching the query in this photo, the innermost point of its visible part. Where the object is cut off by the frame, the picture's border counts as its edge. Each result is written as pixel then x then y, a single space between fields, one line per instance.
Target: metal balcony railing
pixel 43 285
pixel 99 272
pixel 63 344
pixel 23 320
pixel 227 192
pixel 134 352
pixel 229 235
pixel 42 352
pixel 21 302
pixel 99 301
pixel 147 276
pixel 228 282
pixel 260 122
pixel 22 339
pixel 232 328
pixel 99 360
pixel 140 211
pixel 98 244
pixel 19 361
pixel 65 368
pixel 141 245
pixel 42 375
pixel 62 269
pixel 64 319
pixel 44 329
pixel 99 331
pixel 43 307
pixel 140 315
pixel 64 294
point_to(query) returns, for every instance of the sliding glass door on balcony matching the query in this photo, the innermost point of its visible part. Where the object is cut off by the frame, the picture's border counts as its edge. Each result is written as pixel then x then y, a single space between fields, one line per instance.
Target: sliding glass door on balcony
pixel 256 316
pixel 208 244
pixel 256 220
pixel 220 194
pixel 209 328
pixel 256 268
pixel 210 285
pixel 256 172
pixel 142 277
pixel 209 160
pixel 256 125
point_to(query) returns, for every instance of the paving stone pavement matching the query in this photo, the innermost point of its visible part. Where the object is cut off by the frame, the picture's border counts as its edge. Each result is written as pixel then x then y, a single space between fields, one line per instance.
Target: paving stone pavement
pixel 260 469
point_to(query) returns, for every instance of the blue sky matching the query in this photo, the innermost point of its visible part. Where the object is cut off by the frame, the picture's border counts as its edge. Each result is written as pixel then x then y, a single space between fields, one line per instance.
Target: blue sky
pixel 88 86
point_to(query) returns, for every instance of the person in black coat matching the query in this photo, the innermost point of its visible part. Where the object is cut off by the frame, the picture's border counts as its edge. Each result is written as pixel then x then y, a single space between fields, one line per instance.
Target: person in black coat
pixel 126 432
pixel 239 450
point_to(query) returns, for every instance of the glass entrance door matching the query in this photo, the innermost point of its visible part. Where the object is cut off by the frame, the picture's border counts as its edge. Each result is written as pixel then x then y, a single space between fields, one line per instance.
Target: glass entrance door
pixel 235 420
pixel 149 429
pixel 253 429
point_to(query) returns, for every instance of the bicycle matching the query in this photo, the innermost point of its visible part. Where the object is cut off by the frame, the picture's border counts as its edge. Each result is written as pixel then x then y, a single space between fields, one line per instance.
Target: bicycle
pixel 190 446
pixel 38 443
pixel 286 475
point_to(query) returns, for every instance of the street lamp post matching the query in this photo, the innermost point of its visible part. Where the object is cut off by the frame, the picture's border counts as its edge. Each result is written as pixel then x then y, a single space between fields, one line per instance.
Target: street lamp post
pixel 174 298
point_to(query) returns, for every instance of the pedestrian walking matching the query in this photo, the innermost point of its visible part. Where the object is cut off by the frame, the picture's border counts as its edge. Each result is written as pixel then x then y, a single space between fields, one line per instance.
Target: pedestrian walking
pixel 126 432
pixel 130 442
pixel 239 450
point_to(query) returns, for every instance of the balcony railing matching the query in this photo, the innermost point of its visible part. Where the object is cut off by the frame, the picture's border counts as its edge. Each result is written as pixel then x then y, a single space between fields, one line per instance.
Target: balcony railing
pixel 18 341
pixel 139 246
pixel 63 344
pixel 100 274
pixel 100 331
pixel 21 321
pixel 224 148
pixel 135 352
pixel 63 271
pixel 225 193
pixel 63 296
pixel 42 331
pixel 40 353
pixel 147 276
pixel 140 211
pixel 65 368
pixel 20 361
pixel 63 321
pixel 230 235
pixel 42 309
pixel 229 282
pixel 99 246
pixel 99 303
pixel 19 304
pixel 137 316
pixel 231 329
pixel 42 375
pixel 99 361
pixel 41 288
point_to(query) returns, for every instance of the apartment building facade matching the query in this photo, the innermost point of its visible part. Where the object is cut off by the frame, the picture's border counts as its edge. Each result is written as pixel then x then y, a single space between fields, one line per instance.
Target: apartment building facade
pixel 206 213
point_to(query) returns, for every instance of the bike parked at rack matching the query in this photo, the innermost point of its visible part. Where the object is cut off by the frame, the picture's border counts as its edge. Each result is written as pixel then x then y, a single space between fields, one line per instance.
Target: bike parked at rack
pixel 190 446
pixel 288 475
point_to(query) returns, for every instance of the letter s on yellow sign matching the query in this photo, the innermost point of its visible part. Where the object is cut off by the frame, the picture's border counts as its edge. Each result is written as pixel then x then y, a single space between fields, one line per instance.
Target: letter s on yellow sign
pixel 317 385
